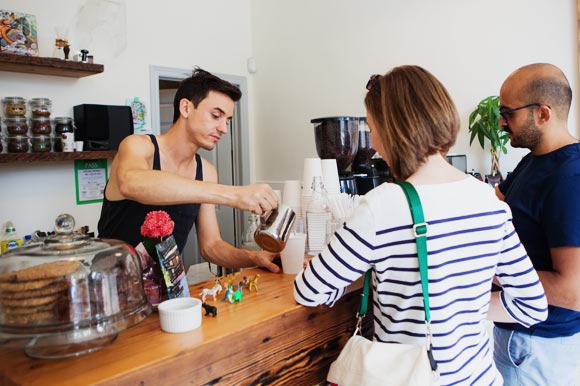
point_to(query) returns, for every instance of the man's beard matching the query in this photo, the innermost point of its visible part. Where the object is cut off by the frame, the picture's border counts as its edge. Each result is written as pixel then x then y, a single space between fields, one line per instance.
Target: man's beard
pixel 529 137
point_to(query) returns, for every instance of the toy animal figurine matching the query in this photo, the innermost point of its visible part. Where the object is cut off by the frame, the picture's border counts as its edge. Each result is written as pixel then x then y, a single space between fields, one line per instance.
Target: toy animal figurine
pixel 229 295
pixel 254 282
pixel 238 294
pixel 209 309
pixel 229 279
pixel 217 288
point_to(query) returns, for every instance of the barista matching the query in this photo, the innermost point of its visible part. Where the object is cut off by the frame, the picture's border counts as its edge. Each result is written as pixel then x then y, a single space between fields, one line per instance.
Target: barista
pixel 165 173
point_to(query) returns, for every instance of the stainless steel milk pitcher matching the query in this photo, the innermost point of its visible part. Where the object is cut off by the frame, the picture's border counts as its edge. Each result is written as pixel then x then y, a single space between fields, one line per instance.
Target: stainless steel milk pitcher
pixel 274 229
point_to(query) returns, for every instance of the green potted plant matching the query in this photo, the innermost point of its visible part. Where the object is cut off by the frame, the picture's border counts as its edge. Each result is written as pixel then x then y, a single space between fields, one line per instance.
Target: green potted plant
pixel 483 123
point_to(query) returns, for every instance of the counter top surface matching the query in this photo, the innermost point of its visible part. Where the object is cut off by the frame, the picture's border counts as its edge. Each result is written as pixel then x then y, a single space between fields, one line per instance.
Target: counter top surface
pixel 265 339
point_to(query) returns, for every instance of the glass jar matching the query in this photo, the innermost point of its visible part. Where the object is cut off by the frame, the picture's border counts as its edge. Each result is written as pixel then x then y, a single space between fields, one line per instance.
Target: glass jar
pixel 40 126
pixel 63 125
pixel 40 107
pixel 41 144
pixel 83 292
pixel 17 144
pixel 14 106
pixel 248 241
pixel 16 125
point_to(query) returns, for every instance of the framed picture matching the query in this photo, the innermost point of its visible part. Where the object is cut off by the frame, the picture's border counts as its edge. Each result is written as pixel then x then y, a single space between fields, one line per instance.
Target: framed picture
pixel 18 33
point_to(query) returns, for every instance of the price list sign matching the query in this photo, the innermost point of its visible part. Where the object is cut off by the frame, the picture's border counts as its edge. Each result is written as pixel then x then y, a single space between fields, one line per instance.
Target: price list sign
pixel 90 180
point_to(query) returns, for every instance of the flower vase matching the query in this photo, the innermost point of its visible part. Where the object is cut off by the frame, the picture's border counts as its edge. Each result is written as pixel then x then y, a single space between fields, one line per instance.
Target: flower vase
pixel 157 288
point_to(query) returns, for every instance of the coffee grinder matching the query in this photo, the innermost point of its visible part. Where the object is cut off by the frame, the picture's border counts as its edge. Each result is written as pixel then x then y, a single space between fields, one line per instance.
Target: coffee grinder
pixel 337 137
pixel 368 168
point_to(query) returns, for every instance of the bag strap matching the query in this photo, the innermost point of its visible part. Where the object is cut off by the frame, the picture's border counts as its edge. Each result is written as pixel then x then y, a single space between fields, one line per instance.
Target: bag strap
pixel 420 231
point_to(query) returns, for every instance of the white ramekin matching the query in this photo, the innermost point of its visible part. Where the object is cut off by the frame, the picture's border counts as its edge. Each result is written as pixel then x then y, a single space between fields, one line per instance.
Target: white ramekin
pixel 180 314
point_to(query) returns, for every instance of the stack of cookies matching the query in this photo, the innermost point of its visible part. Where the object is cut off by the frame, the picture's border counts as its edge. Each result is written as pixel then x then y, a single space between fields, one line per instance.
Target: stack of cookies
pixel 35 295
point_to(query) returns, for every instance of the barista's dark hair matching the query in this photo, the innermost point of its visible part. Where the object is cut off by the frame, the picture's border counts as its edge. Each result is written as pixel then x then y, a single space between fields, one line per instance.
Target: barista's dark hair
pixel 197 87
pixel 551 91
pixel 414 117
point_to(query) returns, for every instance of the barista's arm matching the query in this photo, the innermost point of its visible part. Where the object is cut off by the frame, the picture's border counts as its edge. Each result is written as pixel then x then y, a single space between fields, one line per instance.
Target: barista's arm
pixel 132 178
pixel 562 285
pixel 217 251
pixel 498 193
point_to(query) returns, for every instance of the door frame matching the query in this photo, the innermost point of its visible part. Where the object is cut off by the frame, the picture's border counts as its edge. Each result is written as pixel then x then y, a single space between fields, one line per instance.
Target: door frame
pixel 240 128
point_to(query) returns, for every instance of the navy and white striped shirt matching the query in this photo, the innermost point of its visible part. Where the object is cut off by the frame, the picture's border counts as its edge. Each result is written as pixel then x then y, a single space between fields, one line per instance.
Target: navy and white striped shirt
pixel 470 240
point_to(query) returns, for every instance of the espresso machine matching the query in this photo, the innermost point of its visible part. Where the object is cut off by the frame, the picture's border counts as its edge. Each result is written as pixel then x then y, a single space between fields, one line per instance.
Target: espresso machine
pixel 337 137
pixel 368 168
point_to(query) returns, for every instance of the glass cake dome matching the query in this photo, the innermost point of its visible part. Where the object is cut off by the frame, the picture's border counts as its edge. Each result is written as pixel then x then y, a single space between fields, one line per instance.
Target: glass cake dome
pixel 70 294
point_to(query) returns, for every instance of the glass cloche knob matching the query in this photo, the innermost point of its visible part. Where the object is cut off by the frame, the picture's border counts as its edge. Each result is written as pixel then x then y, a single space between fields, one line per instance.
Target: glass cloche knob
pixel 64 223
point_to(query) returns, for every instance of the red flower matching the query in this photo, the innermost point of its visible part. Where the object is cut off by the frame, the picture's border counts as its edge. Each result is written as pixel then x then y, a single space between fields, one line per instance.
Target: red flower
pixel 157 224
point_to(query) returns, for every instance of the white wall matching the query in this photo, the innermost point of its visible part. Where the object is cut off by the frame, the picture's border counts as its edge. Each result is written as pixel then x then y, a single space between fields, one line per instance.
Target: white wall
pixel 315 57
pixel 215 35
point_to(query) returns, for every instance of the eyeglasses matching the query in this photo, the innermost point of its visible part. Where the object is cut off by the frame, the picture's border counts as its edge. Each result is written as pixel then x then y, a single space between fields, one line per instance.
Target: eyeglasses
pixel 374 79
pixel 506 114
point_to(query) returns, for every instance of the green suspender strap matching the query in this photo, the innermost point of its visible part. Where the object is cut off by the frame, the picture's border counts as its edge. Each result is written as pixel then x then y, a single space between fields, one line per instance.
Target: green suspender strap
pixel 420 232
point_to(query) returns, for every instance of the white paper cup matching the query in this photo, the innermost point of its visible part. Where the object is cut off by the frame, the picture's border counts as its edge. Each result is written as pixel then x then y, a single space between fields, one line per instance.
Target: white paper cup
pixel 68 142
pixel 291 193
pixel 330 176
pixel 180 314
pixel 312 168
pixel 293 254
pixel 79 145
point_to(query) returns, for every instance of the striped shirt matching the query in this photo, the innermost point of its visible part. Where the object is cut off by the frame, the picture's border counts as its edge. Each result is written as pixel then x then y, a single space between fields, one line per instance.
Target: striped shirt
pixel 470 240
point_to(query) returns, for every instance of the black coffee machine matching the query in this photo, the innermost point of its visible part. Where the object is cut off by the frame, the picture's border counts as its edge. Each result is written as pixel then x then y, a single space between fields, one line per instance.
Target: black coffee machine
pixel 368 168
pixel 337 137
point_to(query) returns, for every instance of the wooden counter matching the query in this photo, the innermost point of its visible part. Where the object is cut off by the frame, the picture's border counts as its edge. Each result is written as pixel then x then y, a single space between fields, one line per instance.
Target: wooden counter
pixel 267 339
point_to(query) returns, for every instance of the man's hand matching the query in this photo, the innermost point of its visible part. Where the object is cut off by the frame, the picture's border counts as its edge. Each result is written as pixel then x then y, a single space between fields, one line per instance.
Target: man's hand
pixel 257 198
pixel 264 259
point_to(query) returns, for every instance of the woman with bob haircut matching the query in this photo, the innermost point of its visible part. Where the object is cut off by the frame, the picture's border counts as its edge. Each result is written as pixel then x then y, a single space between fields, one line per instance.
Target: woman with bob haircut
pixel 470 238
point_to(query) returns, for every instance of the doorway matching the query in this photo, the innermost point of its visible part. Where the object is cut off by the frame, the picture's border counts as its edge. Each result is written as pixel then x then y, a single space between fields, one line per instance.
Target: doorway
pixel 230 156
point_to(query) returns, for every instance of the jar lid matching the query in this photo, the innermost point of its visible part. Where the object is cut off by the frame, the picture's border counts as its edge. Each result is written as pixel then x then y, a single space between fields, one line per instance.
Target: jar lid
pixel 40 119
pixel 63 120
pixel 41 137
pixel 13 99
pixel 40 101
pixel 13 120
pixel 65 238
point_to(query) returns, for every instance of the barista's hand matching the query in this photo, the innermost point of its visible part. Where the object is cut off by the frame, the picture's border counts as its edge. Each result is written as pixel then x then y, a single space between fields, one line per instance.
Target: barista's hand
pixel 257 198
pixel 264 259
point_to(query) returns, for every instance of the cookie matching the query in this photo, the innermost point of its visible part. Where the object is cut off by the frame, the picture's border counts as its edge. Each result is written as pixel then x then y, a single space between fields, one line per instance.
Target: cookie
pixel 29 302
pixel 28 318
pixel 57 287
pixel 42 271
pixel 26 285
pixel 27 310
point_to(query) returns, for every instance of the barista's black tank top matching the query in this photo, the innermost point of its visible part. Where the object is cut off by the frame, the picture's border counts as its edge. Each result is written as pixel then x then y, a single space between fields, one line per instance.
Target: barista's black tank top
pixel 123 219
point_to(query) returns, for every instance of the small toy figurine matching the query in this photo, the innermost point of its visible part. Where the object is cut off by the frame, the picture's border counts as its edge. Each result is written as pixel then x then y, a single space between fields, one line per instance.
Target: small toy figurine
pixel 238 294
pixel 209 309
pixel 254 282
pixel 229 295
pixel 229 279
pixel 217 288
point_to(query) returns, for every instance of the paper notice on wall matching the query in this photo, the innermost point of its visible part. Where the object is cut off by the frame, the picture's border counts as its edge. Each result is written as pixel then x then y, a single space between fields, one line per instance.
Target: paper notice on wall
pixel 90 180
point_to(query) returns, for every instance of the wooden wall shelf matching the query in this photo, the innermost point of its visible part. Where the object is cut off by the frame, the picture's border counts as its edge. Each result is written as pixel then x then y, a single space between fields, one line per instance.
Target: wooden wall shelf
pixel 48 66
pixel 55 156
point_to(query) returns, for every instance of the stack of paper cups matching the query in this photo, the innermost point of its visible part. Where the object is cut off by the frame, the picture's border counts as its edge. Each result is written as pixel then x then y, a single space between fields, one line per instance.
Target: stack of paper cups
pixel 291 195
pixel 330 176
pixel 312 168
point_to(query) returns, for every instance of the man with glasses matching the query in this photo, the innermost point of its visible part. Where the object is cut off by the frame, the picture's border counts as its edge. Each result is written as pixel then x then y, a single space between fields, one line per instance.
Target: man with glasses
pixel 543 193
